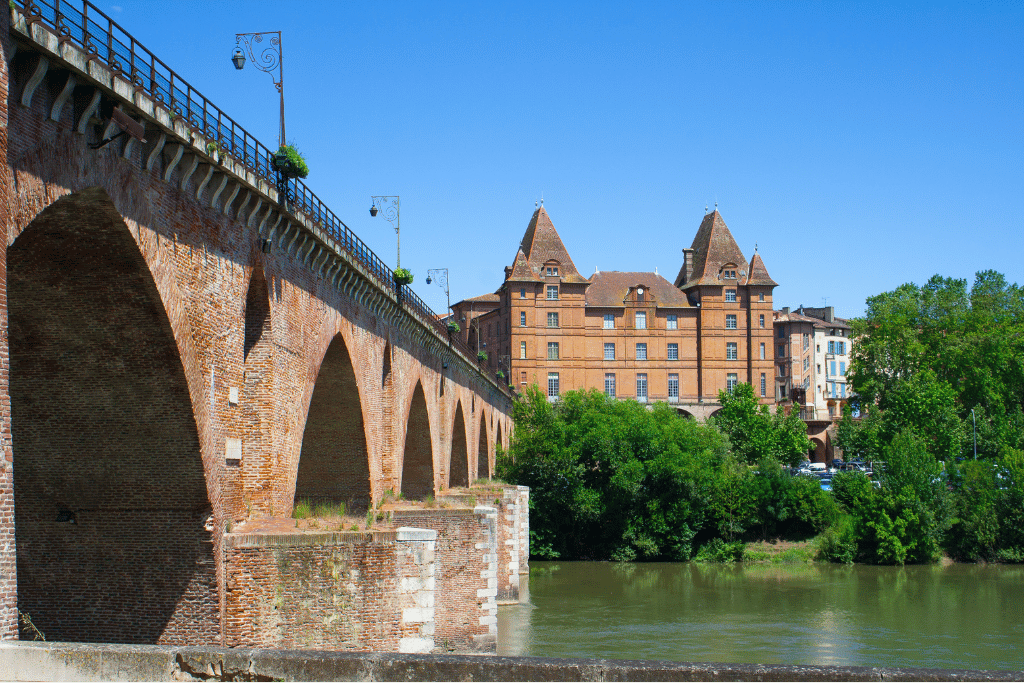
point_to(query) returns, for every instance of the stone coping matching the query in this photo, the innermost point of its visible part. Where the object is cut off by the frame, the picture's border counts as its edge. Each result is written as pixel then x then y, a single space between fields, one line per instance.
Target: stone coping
pixel 30 661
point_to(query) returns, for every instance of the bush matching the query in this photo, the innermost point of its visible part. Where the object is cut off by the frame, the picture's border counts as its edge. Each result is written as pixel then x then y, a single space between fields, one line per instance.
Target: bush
pixel 837 543
pixel 717 550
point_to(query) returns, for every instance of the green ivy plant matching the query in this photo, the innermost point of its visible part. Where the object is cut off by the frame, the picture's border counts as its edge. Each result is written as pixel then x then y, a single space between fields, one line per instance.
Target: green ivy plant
pixel 454 328
pixel 403 276
pixel 482 356
pixel 291 162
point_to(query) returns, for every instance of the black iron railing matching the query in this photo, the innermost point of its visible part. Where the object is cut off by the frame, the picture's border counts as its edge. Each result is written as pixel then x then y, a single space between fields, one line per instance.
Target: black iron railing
pixel 102 39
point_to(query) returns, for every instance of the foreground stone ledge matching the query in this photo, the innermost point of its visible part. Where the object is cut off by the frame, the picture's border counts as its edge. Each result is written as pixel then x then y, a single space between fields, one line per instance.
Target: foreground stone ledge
pixel 91 662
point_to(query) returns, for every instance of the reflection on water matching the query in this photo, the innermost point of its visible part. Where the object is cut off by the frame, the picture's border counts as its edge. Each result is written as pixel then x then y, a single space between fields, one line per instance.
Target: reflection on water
pixel 958 616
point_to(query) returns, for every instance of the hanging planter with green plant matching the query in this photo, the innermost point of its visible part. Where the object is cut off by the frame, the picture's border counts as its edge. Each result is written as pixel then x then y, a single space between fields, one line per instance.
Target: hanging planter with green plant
pixel 403 276
pixel 501 375
pixel 453 328
pixel 290 162
pixel 481 356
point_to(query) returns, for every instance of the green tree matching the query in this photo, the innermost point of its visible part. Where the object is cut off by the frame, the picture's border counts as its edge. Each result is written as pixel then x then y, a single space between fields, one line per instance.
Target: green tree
pixel 754 433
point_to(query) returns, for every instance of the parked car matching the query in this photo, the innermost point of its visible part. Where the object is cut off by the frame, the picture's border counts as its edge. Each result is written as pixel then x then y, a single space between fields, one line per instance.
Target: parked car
pixel 826 483
pixel 816 467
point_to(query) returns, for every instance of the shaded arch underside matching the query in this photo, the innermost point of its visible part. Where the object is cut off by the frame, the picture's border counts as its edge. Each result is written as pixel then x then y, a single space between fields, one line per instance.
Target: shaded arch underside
pixel 417 461
pixel 334 464
pixel 459 470
pixel 111 506
pixel 483 469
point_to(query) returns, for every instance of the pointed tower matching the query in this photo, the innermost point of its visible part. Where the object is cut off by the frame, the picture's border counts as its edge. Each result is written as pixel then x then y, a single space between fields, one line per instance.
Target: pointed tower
pixel 734 331
pixel 543 298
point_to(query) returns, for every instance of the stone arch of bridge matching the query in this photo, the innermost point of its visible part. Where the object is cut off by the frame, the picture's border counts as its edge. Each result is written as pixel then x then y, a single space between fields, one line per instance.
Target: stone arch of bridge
pixel 458 468
pixel 334 460
pixel 109 467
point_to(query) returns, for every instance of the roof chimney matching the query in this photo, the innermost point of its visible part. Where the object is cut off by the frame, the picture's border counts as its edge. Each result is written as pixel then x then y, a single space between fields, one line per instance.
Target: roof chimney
pixel 785 310
pixel 688 263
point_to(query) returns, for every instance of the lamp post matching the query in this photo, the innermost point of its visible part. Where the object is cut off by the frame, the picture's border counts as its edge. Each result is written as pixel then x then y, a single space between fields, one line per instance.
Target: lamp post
pixel 441 275
pixel 267 60
pixel 390 205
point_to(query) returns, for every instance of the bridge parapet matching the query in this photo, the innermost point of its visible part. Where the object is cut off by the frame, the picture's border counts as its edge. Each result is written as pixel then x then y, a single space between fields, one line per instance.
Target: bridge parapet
pixel 186 132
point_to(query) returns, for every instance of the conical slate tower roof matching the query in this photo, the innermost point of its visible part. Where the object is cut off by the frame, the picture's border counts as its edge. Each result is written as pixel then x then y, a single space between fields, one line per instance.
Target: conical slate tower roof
pixel 713 247
pixel 541 244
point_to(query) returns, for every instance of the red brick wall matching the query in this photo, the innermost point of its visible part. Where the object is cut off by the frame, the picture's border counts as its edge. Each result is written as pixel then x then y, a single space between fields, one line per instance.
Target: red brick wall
pixel 339 591
pixel 464 607
pixel 189 314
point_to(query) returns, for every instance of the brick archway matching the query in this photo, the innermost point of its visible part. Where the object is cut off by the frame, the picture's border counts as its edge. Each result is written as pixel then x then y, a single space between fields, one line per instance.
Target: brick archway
pixel 334 461
pixel 483 466
pixel 458 470
pixel 417 459
pixel 113 519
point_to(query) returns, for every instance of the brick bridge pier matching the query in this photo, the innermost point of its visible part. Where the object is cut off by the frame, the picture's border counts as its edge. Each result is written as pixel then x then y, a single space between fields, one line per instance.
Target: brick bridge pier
pixel 186 353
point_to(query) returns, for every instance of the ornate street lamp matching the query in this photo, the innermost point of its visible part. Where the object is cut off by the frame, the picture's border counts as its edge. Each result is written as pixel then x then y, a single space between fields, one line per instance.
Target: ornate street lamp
pixel 390 206
pixel 267 60
pixel 441 275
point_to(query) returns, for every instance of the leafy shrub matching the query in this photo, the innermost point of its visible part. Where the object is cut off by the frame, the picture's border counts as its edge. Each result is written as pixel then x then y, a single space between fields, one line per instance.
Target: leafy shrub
pixel 837 543
pixel 717 550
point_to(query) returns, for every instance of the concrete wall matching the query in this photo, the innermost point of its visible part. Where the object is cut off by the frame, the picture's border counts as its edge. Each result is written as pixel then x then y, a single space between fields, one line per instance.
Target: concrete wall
pixel 64 662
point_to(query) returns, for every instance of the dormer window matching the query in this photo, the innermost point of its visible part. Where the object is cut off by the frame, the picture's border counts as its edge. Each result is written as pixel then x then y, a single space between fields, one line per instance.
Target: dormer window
pixel 552 270
pixel 728 272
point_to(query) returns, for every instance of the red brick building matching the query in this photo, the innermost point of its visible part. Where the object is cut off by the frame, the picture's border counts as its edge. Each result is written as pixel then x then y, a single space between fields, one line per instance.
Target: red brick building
pixel 629 334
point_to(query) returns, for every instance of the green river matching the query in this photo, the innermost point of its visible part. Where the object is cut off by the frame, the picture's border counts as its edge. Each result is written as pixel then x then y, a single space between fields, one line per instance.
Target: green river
pixel 955 616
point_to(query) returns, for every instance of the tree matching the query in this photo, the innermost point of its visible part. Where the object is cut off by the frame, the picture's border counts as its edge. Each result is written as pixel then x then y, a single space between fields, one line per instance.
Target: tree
pixel 754 433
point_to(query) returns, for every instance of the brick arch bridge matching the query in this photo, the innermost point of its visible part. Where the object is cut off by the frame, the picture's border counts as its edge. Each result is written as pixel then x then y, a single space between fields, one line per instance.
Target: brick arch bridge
pixel 183 348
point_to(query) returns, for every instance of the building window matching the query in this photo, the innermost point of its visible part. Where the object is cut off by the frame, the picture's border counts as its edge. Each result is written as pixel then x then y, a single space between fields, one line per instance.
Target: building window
pixel 552 350
pixel 609 384
pixel 831 347
pixel 782 350
pixel 522 292
pixel 730 382
pixel 552 270
pixel 819 368
pixel 672 322
pixel 522 318
pixel 730 295
pixel 673 386
pixel 673 352
pixel 782 391
pixel 641 387
pixel 817 349
pixel 764 385
pixel 760 297
pixel 641 320
pixel 833 368
pixel 842 368
pixel 841 348
pixel 762 350
pixel 522 377
pixel 552 319
pixel 552 384
pixel 807 364
pixel 641 351
pixel 761 320
pixel 522 350
pixel 730 351
pixel 807 341
pixel 782 332
pixel 842 391
pixel 609 321
pixel 609 351
pixel 730 322
pixel 552 291
pixel 807 383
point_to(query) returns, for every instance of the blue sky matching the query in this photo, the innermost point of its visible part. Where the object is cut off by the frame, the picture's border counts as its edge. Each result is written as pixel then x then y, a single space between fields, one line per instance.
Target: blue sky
pixel 859 145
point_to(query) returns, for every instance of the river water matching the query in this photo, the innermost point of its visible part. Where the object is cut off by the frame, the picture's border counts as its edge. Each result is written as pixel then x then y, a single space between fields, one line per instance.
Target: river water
pixel 956 616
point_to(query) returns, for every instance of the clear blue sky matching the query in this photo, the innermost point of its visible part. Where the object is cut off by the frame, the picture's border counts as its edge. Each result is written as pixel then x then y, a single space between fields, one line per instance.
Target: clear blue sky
pixel 860 145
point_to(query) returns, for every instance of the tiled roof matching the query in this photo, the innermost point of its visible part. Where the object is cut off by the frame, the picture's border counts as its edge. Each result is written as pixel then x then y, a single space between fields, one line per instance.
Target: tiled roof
pixel 797 318
pixel 610 288
pixel 541 244
pixel 757 274
pixel 489 298
pixel 713 247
